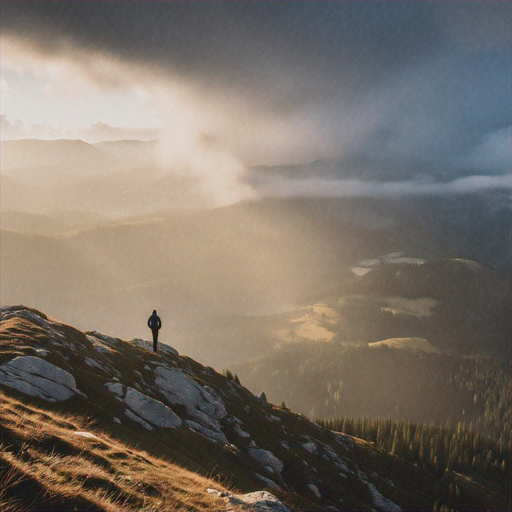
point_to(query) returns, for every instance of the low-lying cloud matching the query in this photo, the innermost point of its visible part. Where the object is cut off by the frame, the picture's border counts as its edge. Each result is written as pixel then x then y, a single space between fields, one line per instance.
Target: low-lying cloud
pixel 285 188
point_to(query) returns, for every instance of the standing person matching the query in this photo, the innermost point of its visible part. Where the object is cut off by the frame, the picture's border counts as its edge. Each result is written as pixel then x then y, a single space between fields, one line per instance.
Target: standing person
pixel 154 323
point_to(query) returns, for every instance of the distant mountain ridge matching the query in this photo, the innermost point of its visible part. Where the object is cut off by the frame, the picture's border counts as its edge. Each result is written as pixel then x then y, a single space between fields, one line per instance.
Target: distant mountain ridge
pixel 75 155
pixel 470 304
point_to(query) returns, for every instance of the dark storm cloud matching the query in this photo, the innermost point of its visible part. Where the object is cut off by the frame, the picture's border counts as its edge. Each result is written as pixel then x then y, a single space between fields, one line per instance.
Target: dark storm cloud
pixel 302 50
pixel 414 81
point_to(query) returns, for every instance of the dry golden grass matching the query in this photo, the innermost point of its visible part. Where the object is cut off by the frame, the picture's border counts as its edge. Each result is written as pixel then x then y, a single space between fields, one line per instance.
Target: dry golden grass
pixel 22 329
pixel 46 465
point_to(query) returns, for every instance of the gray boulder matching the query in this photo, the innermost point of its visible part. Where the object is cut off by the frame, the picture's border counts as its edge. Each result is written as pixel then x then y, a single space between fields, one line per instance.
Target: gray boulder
pixel 36 377
pixel 179 388
pixel 267 459
pixel 148 409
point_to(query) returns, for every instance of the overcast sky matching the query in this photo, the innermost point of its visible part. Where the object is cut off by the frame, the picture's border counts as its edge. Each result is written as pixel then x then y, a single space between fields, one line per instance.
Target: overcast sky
pixel 424 83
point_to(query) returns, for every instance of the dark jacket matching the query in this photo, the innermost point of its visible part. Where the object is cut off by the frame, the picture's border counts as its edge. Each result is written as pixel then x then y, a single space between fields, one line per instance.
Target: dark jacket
pixel 154 322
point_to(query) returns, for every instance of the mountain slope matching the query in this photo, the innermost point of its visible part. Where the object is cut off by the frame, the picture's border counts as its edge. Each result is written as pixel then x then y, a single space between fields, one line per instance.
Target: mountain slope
pixel 422 341
pixel 472 302
pixel 177 409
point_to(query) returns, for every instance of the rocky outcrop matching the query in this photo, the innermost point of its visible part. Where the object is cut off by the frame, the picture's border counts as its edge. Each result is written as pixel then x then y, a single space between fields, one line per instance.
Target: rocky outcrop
pixel 36 377
pixel 144 409
pixel 267 459
pixel 202 403
pixel 213 435
pixel 181 389
pixel 259 501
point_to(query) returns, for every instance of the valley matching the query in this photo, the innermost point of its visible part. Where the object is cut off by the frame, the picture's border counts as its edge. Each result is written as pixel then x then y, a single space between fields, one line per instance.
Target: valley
pixel 385 317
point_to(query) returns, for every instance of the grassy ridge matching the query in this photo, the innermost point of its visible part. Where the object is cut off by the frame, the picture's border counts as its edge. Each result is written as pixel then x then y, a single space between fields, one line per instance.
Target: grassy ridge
pixel 53 459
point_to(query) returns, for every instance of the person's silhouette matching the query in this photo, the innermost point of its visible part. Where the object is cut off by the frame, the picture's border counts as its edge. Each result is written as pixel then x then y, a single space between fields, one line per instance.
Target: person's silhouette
pixel 154 323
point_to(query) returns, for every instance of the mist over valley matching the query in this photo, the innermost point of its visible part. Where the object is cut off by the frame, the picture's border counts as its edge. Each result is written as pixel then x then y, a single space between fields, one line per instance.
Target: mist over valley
pixel 75 254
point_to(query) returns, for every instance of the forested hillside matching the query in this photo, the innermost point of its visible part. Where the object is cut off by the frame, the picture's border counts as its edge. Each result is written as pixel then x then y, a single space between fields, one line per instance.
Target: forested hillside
pixel 329 380
pixel 462 458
